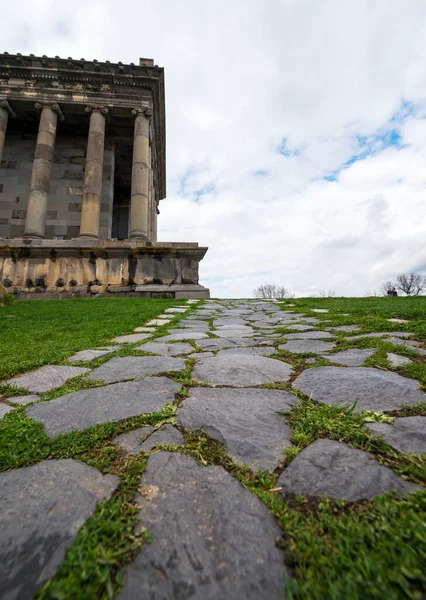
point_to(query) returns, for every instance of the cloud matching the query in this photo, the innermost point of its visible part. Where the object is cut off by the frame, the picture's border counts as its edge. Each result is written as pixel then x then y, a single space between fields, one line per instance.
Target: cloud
pixel 296 131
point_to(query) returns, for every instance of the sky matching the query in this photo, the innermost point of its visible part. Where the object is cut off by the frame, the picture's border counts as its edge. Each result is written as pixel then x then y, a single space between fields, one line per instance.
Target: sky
pixel 296 129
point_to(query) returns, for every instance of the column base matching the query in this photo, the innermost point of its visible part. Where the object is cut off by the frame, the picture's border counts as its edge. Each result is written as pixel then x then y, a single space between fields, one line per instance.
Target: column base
pixel 88 236
pixel 33 235
pixel 139 236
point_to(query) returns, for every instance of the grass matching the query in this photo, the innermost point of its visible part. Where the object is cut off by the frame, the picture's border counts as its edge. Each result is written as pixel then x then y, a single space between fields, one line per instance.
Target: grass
pixel 42 332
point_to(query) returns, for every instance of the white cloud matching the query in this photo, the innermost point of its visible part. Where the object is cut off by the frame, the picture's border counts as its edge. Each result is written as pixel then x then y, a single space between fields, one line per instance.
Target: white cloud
pixel 242 76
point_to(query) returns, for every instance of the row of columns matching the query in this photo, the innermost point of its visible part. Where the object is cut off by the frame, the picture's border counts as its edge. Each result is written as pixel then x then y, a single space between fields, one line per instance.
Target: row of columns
pixel 35 225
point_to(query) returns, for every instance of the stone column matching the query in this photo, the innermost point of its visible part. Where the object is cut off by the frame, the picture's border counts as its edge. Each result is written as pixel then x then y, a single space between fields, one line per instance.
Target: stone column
pixel 92 189
pixel 5 112
pixel 139 202
pixel 35 224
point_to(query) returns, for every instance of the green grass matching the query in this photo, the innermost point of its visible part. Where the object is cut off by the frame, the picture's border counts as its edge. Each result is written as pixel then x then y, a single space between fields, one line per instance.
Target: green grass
pixel 42 332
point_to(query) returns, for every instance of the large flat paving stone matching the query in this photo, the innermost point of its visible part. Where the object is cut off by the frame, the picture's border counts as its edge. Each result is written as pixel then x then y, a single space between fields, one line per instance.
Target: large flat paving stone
pixel 42 509
pixel 396 360
pixel 305 346
pixel 4 409
pixel 220 343
pixel 119 369
pixel 211 538
pixel 194 325
pixel 407 434
pixel 351 358
pixel 185 334
pixel 239 370
pixel 308 335
pixel 167 349
pixel 47 378
pixel 249 351
pixel 373 389
pixel 88 355
pixel 233 333
pixel 246 421
pixel 158 322
pixel 110 404
pixel 23 400
pixel 335 470
pixel 131 338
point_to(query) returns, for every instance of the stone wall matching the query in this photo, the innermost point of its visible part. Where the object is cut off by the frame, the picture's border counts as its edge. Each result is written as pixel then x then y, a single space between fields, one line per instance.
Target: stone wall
pixel 66 189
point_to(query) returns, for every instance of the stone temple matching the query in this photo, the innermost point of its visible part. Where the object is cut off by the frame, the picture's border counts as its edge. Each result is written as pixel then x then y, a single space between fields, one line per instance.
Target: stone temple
pixel 82 174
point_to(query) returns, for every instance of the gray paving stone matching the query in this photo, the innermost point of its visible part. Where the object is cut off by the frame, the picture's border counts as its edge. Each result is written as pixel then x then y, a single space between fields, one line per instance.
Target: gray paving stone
pixel 131 441
pixel 234 333
pixel 408 343
pixel 185 335
pixel 345 328
pixel 110 404
pixel 303 346
pixel 220 343
pixel 88 355
pixel 319 310
pixel 407 434
pixel 158 322
pixel 240 370
pixel 144 329
pixel 4 409
pixel 229 322
pixel 194 325
pixel 177 309
pixel 249 350
pixel 396 360
pixel 41 510
pixel 351 358
pixel 167 434
pixel 137 367
pixel 47 378
pixel 335 470
pixel 23 400
pixel 378 334
pixel 308 335
pixel 211 538
pixel 373 389
pixel 311 320
pixel 245 420
pixel 131 338
pixel 167 349
pixel 398 320
pixel 299 327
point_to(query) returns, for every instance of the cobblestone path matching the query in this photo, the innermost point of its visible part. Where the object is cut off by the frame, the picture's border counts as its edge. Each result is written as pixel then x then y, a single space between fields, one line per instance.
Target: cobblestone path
pixel 211 537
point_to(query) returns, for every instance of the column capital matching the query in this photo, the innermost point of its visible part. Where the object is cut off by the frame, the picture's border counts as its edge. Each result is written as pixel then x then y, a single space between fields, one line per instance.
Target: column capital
pixel 5 104
pixel 97 107
pixel 142 111
pixel 53 106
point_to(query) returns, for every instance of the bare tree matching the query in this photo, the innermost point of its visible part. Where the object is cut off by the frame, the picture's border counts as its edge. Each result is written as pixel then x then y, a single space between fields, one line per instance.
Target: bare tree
pixel 411 284
pixel 324 294
pixel 271 290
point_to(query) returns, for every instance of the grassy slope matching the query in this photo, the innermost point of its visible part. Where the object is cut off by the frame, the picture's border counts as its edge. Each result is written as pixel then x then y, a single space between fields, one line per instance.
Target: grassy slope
pixel 35 333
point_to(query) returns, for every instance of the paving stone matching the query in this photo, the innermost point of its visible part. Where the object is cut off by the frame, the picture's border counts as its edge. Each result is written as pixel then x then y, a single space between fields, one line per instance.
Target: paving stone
pixel 4 409
pixel 230 323
pixel 185 335
pixel 41 510
pixel 407 434
pixel 109 404
pixel 131 338
pixel 351 358
pixel 131 441
pixel 302 346
pixel 378 334
pixel 308 335
pixel 345 328
pixel 220 343
pixel 395 360
pixel 397 342
pixel 23 400
pixel 119 369
pixel 158 322
pixel 319 310
pixel 176 310
pixel 144 329
pixel 192 301
pixel 335 470
pixel 167 434
pixel 195 325
pixel 47 378
pixel 373 389
pixel 240 370
pixel 398 320
pixel 311 320
pixel 234 333
pixel 245 420
pixel 299 327
pixel 211 537
pixel 167 349
pixel 199 355
pixel 249 350
pixel 88 355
